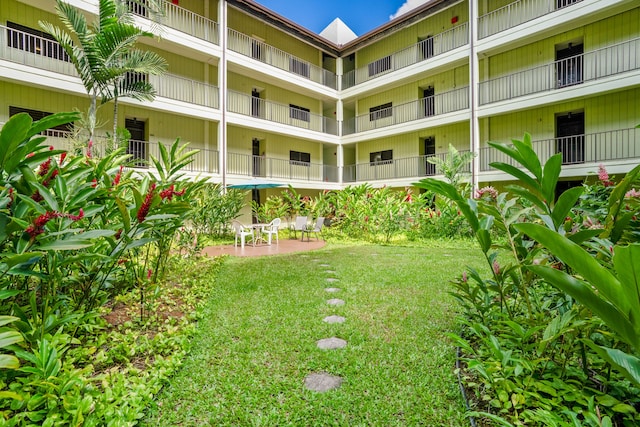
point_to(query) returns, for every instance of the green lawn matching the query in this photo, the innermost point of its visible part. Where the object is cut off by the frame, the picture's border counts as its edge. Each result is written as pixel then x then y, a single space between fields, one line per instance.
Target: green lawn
pixel 257 341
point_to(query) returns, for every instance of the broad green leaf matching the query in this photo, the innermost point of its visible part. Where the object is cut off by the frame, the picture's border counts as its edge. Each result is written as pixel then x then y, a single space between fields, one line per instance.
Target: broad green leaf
pixel 550 176
pixel 7 293
pixel 12 134
pixel 627 364
pixel 52 121
pixel 581 261
pixel 10 337
pixel 66 245
pixel 626 263
pixel 13 260
pixel 565 203
pixel 520 175
pixel 10 394
pixel 4 320
pixel 9 362
pixel 583 235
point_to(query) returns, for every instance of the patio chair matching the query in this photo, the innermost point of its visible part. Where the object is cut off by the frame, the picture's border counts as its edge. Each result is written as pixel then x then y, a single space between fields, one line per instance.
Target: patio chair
pixel 272 229
pixel 299 225
pixel 242 232
pixel 317 228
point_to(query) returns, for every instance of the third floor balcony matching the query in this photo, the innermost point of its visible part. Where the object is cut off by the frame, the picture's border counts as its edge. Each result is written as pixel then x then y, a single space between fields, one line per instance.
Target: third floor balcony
pixel 598 64
pixel 422 51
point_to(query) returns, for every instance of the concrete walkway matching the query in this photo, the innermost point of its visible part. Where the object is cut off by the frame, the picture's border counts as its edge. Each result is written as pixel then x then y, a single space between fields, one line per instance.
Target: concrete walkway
pixel 284 246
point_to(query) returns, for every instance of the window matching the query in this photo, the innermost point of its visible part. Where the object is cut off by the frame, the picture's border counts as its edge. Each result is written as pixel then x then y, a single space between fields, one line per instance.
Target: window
pixel 257 50
pixel 34 41
pixel 381 157
pixel 58 131
pixel 298 158
pixel 381 111
pixel 380 66
pixel 569 65
pixel 299 113
pixel 299 67
pixel 426 48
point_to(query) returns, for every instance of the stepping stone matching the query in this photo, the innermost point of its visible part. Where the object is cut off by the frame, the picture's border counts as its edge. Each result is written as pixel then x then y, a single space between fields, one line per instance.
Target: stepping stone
pixel 334 319
pixel 330 271
pixel 331 343
pixel 335 301
pixel 332 279
pixel 324 265
pixel 332 289
pixel 322 382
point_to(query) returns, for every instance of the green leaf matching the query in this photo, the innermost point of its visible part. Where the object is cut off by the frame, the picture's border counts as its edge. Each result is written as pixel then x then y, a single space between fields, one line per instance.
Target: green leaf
pixel 10 337
pixel 9 362
pixel 52 121
pixel 12 134
pixel 66 245
pixel 550 178
pixel 627 364
pixel 565 203
pixel 625 262
pixel 13 260
pixel 4 320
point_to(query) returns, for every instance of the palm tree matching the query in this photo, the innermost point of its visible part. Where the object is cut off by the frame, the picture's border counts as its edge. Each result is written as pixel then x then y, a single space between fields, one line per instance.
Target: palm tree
pixel 104 53
pixel 453 165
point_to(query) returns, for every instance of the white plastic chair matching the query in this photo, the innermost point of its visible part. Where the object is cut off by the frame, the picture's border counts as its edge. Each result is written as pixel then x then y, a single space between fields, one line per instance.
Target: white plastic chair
pixel 299 225
pixel 272 229
pixel 317 228
pixel 242 232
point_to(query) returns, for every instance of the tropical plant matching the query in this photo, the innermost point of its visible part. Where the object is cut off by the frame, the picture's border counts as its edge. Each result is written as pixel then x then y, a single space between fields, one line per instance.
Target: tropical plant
pixel 104 55
pixel 453 165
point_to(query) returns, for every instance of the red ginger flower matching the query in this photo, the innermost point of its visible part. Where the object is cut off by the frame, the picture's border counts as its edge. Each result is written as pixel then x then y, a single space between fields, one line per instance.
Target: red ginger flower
pixel 38 225
pixel 116 180
pixel 146 205
pixel 89 147
pixel 170 192
pixel 44 167
pixel 604 176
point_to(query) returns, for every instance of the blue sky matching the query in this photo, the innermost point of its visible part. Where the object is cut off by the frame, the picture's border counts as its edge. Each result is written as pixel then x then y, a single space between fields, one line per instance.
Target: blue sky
pixel 361 16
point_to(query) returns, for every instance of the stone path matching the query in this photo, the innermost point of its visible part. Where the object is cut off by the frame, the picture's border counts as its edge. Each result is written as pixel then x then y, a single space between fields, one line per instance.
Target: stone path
pixel 324 381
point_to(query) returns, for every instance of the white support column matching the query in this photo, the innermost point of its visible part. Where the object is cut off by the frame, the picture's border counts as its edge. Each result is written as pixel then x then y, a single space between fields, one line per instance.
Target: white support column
pixel 339 118
pixel 474 76
pixel 222 93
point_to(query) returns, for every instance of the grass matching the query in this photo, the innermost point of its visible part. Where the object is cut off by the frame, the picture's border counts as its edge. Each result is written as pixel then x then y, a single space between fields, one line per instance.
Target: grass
pixel 257 341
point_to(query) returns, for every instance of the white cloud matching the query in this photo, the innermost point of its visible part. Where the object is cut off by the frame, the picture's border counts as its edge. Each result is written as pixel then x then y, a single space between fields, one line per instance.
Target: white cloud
pixel 407 6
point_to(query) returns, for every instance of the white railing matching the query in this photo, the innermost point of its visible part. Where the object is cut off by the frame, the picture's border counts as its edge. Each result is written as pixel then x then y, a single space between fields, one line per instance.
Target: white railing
pixel 517 13
pixel 442 103
pixel 187 90
pixel 421 51
pixel 590 148
pixel 34 51
pixel 407 167
pixel 181 19
pixel 248 105
pixel 260 51
pixel 269 167
pixel 605 62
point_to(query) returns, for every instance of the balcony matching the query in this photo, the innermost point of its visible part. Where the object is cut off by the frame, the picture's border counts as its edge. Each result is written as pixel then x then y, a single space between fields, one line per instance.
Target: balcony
pixel 183 20
pixel 248 105
pixel 263 52
pixel 205 160
pixel 421 51
pixel 442 103
pixel 517 13
pixel 416 167
pixel 594 148
pixel 186 90
pixel 280 169
pixel 590 66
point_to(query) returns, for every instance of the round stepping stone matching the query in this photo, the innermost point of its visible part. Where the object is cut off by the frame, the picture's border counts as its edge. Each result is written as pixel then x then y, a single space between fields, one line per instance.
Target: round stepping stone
pixel 335 301
pixel 324 265
pixel 322 382
pixel 334 319
pixel 331 343
pixel 330 271
pixel 332 279
pixel 332 289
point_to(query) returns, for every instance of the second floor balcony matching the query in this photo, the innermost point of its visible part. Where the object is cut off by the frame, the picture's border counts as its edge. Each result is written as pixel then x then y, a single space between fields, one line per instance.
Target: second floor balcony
pixel 442 103
pixel 260 51
pixel 425 49
pixel 252 106
pixel 280 169
pixel 592 148
pixel 598 64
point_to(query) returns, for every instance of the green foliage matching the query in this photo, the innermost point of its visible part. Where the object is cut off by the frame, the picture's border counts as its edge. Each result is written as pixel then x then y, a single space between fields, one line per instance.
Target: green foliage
pixel 213 209
pixel 542 354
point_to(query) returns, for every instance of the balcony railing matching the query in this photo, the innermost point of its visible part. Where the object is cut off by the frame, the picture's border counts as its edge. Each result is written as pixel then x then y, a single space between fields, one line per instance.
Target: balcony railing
pixel 442 103
pixel 34 51
pixel 517 13
pixel 421 51
pixel 187 90
pixel 263 52
pixel 248 105
pixel 590 148
pixel 280 169
pixel 605 62
pixel 181 19
pixel 408 167
pixel 205 161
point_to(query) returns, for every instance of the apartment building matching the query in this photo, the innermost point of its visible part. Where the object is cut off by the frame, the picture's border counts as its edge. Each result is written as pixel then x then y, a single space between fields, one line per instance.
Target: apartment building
pixel 260 96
